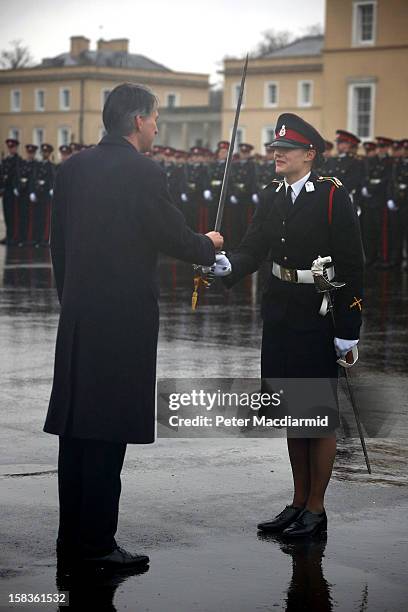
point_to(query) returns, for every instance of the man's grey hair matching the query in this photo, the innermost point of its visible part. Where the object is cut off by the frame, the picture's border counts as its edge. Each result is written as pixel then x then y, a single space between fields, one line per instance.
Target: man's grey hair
pixel 123 104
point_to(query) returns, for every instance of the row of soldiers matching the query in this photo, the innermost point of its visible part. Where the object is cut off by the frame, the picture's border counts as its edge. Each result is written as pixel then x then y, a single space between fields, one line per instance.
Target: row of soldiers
pixel 26 187
pixel 376 181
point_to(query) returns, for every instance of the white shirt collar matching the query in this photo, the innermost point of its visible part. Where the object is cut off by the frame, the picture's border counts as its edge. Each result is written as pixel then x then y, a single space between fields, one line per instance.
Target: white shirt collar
pixel 298 186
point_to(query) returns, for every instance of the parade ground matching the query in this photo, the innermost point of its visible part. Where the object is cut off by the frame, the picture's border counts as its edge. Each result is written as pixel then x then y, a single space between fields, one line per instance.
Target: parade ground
pixel 193 504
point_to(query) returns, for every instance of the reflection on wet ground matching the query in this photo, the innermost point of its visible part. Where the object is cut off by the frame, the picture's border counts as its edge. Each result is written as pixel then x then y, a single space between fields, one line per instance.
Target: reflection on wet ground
pixel 203 498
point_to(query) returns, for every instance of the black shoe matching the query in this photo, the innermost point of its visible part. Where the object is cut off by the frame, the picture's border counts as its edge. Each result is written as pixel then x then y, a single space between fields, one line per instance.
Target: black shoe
pixel 119 558
pixel 307 524
pixel 281 520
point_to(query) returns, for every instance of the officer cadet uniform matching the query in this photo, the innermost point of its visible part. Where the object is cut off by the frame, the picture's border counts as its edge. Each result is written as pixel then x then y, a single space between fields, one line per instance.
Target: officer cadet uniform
pixel 43 192
pixel 176 175
pixel 266 171
pixel 292 226
pixel 24 187
pixel 398 195
pixel 10 169
pixel 65 153
pixel 347 167
pixel 375 185
pixel 198 182
pixel 216 172
pixel 243 194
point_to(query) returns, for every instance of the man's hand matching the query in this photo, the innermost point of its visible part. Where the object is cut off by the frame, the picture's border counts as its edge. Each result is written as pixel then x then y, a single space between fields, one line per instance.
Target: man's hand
pixel 221 267
pixel 33 197
pixel 217 240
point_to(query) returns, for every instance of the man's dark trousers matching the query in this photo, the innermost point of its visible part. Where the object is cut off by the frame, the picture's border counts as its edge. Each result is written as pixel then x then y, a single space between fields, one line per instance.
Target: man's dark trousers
pixel 89 489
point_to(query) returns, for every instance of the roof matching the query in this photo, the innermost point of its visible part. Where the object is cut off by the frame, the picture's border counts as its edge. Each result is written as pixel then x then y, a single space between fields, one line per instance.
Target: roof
pixel 308 45
pixel 111 59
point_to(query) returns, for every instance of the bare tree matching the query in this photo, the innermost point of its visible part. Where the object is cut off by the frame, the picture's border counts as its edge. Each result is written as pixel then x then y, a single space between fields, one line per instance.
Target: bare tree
pixel 18 56
pixel 316 29
pixel 273 40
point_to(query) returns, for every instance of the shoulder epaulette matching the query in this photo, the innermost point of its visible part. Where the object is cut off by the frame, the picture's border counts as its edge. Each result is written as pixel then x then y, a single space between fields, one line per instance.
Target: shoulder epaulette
pixel 332 179
pixel 276 183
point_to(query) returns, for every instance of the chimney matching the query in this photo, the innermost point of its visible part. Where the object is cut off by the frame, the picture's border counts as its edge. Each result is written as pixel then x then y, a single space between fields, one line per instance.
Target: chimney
pixel 79 44
pixel 116 44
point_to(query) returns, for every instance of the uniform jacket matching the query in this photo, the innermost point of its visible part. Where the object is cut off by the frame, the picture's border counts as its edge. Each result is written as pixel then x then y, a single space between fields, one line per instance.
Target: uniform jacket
pixel 294 241
pixel 348 169
pixel 111 216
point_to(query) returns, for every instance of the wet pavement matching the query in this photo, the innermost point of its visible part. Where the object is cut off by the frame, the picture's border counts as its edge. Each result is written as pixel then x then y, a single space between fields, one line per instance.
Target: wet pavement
pixel 193 504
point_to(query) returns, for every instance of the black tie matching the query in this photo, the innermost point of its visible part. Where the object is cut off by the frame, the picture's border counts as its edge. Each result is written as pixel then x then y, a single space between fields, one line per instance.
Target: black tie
pixel 288 200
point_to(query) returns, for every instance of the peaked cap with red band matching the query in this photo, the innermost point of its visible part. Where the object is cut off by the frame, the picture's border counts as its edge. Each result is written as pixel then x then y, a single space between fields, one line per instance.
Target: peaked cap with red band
pixel 223 144
pixel 369 145
pixel 293 132
pixel 382 141
pixel 12 142
pixel 344 136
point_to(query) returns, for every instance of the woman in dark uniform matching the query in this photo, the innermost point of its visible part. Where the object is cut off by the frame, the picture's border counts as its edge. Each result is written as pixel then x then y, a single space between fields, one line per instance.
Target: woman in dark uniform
pixel 300 217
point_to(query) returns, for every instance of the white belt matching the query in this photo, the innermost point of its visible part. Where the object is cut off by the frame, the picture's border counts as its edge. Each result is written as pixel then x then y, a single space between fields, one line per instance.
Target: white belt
pixel 298 276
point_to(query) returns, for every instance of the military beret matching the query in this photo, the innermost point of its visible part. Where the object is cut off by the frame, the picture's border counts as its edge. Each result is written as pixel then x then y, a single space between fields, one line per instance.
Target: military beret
pixel 47 148
pixel 344 136
pixel 12 142
pixel 31 148
pixel 293 132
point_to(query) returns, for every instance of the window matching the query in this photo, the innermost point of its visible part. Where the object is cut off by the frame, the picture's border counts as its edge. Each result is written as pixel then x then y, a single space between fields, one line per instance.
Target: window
pixel 361 109
pixel 235 94
pixel 104 96
pixel 14 133
pixel 15 100
pixel 65 99
pixel 172 100
pixel 39 96
pixel 305 93
pixel 64 136
pixel 364 22
pixel 268 134
pixel 271 94
pixel 240 137
pixel 38 136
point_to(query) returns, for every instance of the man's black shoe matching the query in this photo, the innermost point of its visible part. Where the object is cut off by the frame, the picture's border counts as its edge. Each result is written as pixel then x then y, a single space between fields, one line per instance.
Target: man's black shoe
pixel 307 524
pixel 118 559
pixel 282 520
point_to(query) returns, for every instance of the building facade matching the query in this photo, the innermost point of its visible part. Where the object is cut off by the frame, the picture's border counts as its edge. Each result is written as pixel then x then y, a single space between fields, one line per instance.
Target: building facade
pixel 353 78
pixel 61 100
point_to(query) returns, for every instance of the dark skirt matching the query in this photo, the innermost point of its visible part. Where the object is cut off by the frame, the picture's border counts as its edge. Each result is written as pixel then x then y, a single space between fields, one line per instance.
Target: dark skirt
pixel 303 363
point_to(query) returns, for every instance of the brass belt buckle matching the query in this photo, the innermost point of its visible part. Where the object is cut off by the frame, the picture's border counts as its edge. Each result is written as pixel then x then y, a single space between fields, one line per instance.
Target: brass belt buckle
pixel 289 275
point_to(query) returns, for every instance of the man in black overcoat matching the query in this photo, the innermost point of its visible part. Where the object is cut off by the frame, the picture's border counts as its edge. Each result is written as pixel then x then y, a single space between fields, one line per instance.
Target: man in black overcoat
pixel 299 218
pixel 111 216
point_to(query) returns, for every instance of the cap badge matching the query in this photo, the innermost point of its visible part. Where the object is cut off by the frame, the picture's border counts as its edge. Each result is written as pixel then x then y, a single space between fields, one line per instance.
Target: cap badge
pixel 282 131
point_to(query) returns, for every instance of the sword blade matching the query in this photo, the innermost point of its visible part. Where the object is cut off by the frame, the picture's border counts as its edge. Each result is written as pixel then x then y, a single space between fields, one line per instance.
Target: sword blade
pixel 224 186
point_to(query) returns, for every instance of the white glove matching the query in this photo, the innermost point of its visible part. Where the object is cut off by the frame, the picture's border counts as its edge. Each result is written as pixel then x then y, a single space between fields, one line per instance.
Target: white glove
pixel 364 192
pixel 184 197
pixel 255 198
pixel 207 194
pixel 51 192
pixel 343 346
pixel 351 196
pixel 15 191
pixel 358 210
pixel 33 197
pixel 221 266
pixel 233 200
pixel 391 205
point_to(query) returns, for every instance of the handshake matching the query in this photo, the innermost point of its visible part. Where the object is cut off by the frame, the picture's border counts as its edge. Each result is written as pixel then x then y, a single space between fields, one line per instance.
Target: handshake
pixel 221 265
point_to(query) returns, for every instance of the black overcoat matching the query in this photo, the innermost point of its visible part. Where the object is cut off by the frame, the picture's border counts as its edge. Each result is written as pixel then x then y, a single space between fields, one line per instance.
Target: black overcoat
pixel 112 215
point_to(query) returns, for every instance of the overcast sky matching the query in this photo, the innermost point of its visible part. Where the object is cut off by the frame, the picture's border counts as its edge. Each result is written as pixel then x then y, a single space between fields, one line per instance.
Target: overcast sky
pixel 187 35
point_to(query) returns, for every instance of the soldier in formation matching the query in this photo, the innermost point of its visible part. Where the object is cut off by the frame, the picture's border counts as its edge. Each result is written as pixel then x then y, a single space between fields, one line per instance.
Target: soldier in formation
pixel 375 181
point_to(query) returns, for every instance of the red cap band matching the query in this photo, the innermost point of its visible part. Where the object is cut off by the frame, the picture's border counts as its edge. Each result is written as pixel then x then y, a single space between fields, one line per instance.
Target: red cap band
pixel 293 135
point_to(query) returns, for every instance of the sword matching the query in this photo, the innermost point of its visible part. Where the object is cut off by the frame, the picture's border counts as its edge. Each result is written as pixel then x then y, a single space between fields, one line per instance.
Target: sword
pixel 323 285
pixel 198 271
